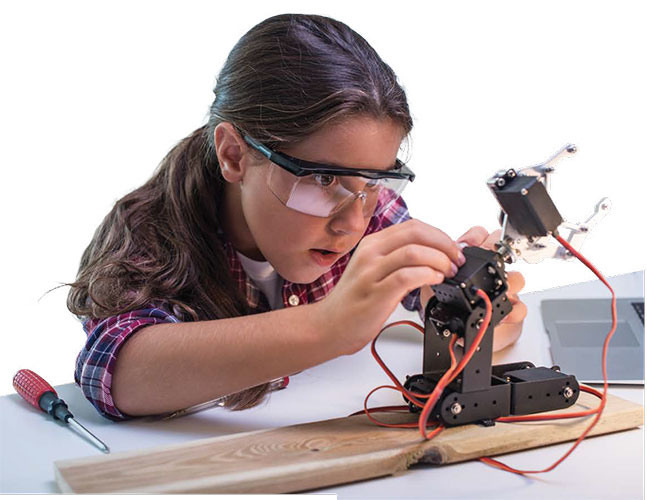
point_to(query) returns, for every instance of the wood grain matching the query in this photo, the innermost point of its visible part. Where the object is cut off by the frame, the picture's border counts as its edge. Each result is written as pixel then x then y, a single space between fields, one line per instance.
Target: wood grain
pixel 315 455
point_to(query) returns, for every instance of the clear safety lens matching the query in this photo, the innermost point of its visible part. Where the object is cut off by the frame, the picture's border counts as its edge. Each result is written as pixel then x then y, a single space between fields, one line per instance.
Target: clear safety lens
pixel 323 195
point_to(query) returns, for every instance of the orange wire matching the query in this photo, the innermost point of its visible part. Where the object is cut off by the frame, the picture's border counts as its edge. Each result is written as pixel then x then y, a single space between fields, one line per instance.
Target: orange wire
pixel 410 396
pixel 398 386
pixel 445 380
pixel 455 369
pixel 376 409
pixel 368 410
pixel 603 397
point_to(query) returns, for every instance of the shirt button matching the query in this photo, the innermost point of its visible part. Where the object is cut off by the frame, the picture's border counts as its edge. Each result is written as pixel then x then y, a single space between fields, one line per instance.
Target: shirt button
pixel 293 300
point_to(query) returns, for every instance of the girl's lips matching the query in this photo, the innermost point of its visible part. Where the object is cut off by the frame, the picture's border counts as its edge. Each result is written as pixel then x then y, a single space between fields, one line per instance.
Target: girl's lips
pixel 323 259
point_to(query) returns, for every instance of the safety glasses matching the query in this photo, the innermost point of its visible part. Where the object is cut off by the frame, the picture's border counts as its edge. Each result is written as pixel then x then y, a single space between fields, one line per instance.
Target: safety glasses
pixel 323 190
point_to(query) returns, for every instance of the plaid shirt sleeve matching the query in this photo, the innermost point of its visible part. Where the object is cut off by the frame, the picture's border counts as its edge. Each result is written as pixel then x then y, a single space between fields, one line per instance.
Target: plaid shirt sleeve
pixel 96 362
pixel 396 213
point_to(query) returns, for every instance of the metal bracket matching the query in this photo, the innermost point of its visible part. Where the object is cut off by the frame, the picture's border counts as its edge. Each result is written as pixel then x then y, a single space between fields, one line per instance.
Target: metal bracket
pixel 514 245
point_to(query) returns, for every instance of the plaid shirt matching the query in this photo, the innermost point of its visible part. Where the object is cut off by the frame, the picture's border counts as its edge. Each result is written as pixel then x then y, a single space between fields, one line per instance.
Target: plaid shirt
pixel 96 361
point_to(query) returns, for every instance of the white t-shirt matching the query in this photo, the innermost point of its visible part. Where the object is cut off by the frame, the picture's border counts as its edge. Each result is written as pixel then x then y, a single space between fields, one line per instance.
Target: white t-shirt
pixel 267 279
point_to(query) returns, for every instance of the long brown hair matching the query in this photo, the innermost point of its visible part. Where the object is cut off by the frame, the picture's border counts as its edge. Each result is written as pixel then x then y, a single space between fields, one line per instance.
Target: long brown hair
pixel 286 78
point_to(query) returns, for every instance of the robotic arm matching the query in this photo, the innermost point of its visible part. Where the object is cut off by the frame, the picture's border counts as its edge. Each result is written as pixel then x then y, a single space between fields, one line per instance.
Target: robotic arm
pixel 482 392
pixel 529 217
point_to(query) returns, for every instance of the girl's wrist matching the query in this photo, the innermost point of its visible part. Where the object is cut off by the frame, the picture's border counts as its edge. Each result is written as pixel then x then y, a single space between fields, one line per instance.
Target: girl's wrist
pixel 325 329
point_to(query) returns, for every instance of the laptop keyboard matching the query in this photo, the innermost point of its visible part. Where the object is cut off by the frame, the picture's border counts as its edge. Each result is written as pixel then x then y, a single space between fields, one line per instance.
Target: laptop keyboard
pixel 640 310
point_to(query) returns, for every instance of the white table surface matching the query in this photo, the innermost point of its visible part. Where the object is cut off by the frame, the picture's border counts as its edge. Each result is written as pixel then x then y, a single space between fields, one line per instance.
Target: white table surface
pixel 609 466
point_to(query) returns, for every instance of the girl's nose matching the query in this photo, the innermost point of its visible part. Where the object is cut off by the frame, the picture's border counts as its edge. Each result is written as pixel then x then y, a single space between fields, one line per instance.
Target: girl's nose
pixel 350 218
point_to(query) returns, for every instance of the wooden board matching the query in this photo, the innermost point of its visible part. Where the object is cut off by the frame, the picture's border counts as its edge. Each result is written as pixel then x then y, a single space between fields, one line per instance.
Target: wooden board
pixel 319 454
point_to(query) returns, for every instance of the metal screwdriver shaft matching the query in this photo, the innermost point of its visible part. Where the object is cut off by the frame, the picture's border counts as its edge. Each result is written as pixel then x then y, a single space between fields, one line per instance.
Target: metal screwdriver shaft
pixel 38 393
pixel 86 433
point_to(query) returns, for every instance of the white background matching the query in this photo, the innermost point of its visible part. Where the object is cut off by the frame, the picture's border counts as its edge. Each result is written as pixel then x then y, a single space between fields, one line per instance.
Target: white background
pixel 93 95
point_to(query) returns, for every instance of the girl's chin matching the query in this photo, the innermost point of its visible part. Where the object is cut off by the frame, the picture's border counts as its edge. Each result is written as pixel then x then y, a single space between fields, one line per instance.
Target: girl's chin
pixel 304 275
pixel 304 278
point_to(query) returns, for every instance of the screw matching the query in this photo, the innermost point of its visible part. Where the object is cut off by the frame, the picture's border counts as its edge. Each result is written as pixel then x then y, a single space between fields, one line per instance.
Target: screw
pixel 500 182
pixel 499 283
pixel 524 192
pixel 491 270
pixel 511 173
pixel 479 323
pixel 456 408
pixel 498 264
pixel 507 379
pixel 446 333
pixel 568 392
pixel 463 285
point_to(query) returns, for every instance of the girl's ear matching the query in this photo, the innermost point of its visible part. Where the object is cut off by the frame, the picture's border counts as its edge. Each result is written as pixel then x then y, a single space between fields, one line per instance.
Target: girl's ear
pixel 230 149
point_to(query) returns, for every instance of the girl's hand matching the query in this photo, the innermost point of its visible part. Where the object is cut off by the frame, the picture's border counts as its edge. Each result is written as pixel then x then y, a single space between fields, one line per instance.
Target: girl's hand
pixel 385 267
pixel 509 329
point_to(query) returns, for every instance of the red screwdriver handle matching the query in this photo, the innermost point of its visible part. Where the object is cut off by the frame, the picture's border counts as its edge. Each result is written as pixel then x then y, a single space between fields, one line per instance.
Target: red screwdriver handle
pixel 31 386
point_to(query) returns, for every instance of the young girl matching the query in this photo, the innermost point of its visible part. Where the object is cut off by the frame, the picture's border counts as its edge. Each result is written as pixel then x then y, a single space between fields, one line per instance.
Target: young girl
pixel 270 240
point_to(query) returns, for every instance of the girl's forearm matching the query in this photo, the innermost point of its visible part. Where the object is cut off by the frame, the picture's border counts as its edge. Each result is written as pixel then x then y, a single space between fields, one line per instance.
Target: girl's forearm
pixel 167 367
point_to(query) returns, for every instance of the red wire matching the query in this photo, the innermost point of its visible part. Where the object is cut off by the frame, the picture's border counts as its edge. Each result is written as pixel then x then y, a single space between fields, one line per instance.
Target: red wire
pixel 449 375
pixel 410 396
pixel 368 411
pixel 603 397
pixel 455 369
pixel 404 408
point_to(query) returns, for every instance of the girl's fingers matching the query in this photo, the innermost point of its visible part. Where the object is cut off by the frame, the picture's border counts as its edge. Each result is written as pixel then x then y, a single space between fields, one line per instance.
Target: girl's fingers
pixel 406 279
pixel 491 239
pixel 478 236
pixel 473 237
pixel 505 334
pixel 516 282
pixel 518 313
pixel 426 293
pixel 412 231
pixel 412 256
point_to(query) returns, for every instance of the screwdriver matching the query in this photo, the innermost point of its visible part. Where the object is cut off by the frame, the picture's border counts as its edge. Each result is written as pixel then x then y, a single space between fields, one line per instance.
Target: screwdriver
pixel 38 393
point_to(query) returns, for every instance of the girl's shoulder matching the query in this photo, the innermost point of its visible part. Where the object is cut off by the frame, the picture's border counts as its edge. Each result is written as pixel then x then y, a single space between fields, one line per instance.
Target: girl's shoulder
pixel 155 312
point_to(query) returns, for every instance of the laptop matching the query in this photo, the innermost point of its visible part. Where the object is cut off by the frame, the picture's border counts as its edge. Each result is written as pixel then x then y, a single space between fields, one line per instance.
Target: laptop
pixel 577 329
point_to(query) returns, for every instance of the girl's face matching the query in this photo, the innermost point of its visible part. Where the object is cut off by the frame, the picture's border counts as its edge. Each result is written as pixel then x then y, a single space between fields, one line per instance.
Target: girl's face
pixel 263 228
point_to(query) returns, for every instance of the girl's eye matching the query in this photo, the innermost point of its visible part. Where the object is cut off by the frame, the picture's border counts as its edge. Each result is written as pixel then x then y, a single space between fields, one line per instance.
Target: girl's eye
pixel 325 180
